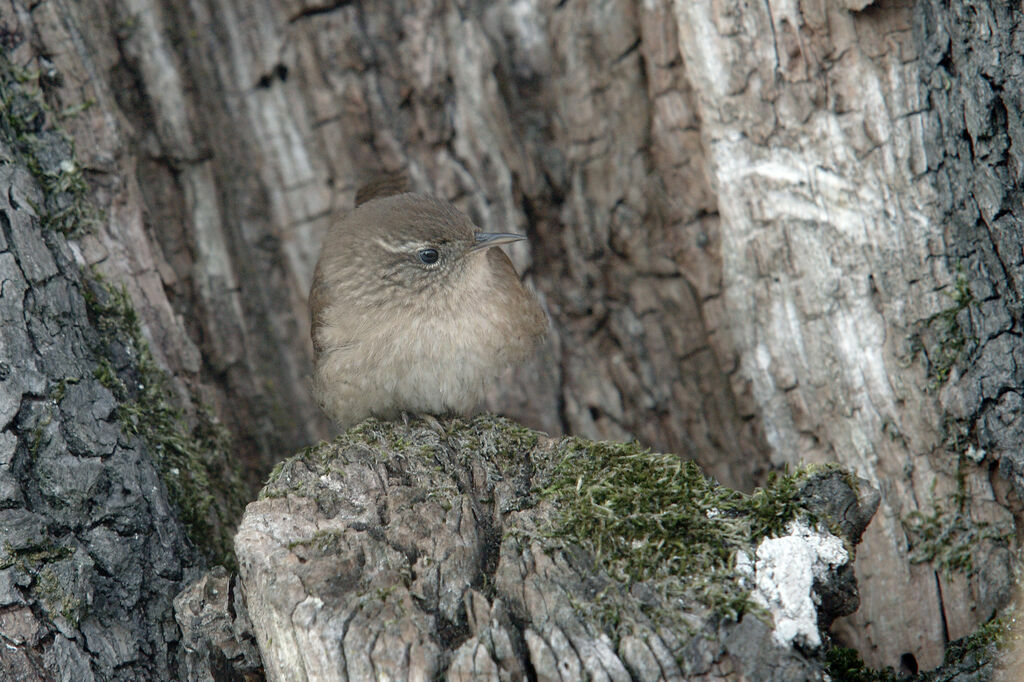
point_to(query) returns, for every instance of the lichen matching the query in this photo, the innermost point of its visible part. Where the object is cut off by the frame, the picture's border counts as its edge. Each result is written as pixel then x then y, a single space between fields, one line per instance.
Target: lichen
pixel 323 541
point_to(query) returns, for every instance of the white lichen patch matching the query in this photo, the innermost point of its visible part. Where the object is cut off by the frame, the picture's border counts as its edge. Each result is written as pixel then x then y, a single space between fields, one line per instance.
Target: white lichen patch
pixel 783 576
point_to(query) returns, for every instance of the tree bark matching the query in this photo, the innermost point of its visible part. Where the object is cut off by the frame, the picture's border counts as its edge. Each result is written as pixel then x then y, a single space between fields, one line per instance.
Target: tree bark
pixel 764 233
pixel 228 154
pixel 92 551
pixel 836 269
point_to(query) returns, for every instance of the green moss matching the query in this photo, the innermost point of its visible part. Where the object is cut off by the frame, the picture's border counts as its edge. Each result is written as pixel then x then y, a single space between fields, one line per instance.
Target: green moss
pixel 319 457
pixel 492 436
pixel 646 517
pixel 435 446
pixel 194 458
pixel 499 439
pixel 947 536
pixel 968 655
pixel 58 392
pixel 942 338
pixel 38 432
pixel 656 518
pixel 30 559
pixel 37 563
pixel 56 599
pixel 985 642
pixel 28 122
pixel 845 665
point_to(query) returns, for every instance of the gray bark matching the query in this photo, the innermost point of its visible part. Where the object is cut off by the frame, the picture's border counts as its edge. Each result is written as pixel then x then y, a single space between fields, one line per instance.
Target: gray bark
pixel 973 69
pixel 92 552
pixel 217 641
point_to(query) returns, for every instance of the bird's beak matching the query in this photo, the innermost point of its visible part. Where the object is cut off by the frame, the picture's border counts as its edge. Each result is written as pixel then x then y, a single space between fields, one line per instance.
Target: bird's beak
pixel 485 240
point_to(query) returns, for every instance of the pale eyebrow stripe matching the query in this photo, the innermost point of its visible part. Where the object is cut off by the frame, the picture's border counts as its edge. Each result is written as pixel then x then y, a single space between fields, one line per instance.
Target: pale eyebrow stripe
pixel 404 247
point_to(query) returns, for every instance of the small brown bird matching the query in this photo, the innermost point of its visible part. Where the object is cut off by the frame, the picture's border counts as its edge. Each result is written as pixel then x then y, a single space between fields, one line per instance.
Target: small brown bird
pixel 414 311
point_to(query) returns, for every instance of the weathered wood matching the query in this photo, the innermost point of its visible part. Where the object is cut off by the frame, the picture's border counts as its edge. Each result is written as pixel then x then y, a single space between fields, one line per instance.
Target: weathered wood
pixel 429 550
pixel 217 642
pixel 233 153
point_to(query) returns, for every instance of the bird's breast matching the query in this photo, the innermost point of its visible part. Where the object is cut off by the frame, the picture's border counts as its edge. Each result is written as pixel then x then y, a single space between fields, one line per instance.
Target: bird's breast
pixel 431 354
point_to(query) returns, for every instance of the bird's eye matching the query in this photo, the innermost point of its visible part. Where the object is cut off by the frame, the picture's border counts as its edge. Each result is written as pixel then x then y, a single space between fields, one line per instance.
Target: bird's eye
pixel 428 256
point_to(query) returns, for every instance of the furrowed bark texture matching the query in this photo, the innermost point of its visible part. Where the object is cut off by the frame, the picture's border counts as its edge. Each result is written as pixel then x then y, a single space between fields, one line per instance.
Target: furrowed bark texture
pixel 836 281
pixel 974 70
pixel 92 552
pixel 745 219
pixel 186 224
pixel 228 135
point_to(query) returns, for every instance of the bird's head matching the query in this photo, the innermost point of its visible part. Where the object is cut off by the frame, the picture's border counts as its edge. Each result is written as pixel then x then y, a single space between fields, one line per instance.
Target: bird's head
pixel 401 246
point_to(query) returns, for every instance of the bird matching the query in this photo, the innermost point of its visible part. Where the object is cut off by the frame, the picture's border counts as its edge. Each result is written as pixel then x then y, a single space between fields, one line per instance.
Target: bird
pixel 414 310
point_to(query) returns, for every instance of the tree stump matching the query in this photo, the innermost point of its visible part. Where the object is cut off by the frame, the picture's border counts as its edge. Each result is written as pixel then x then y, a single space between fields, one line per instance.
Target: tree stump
pixel 480 550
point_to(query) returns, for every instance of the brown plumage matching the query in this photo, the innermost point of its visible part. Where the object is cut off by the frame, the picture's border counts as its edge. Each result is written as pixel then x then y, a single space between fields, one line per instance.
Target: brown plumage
pixel 414 311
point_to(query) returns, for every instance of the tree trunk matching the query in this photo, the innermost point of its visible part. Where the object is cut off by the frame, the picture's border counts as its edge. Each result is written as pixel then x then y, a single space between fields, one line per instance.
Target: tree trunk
pixel 838 277
pixel 91 552
pixel 764 232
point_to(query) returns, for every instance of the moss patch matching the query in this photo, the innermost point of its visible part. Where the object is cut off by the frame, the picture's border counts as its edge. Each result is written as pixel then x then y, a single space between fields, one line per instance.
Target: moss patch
pixel 845 665
pixel 492 440
pixel 971 657
pixel 649 528
pixel 48 152
pixel 57 599
pixel 947 536
pixel 30 559
pixel 943 338
pixel 194 458
pixel 656 518
pixel 985 642
pixel 39 565
pixel 486 437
